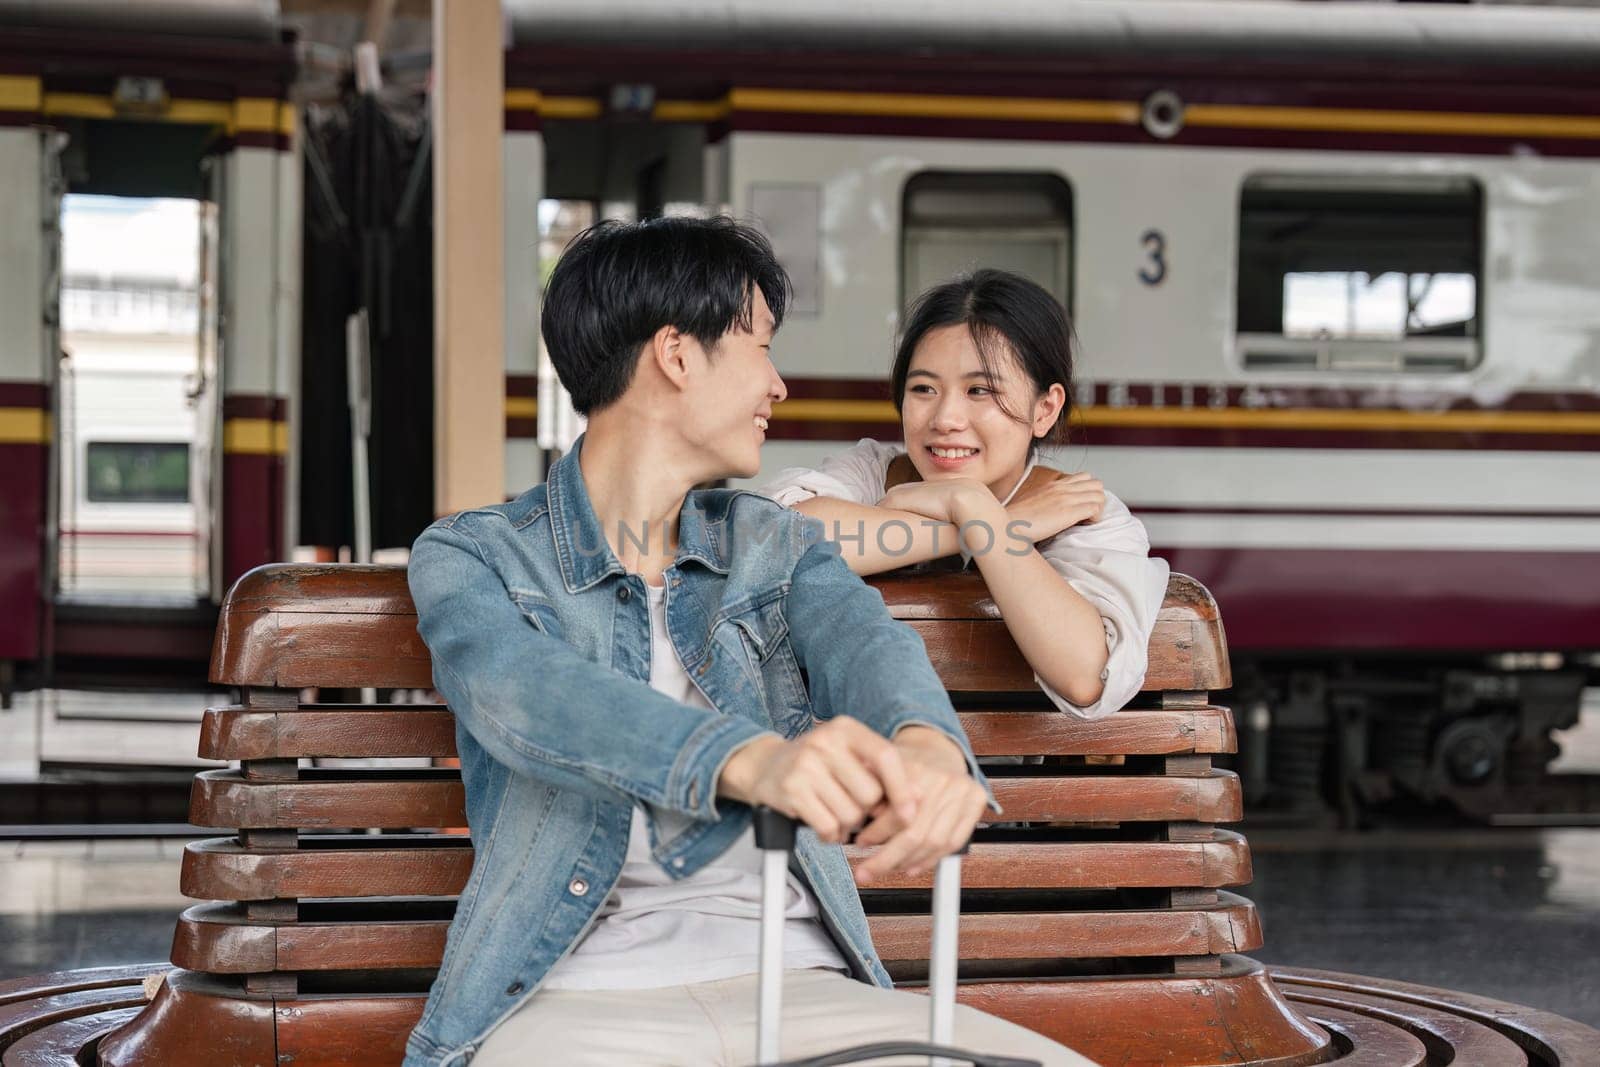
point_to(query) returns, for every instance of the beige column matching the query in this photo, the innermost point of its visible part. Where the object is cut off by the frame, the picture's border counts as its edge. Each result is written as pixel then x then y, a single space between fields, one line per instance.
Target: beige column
pixel 468 254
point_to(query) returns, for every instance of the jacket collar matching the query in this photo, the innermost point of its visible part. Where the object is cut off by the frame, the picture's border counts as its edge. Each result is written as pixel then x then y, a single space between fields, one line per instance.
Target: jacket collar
pixel 582 550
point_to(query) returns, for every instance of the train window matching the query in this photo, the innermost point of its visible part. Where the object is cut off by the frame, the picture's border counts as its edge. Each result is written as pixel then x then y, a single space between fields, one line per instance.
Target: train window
pixel 952 223
pixel 1360 273
pixel 137 472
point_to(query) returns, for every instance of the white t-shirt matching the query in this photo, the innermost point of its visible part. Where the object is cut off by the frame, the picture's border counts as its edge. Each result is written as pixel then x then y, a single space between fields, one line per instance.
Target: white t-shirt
pixel 1108 562
pixel 655 931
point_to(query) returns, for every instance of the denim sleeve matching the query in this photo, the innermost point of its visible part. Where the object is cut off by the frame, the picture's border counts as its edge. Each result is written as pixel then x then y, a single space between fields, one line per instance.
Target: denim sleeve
pixel 539 707
pixel 861 661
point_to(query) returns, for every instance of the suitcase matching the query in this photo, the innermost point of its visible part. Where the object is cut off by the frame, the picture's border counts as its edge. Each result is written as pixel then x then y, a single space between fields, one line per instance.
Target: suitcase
pixel 774 834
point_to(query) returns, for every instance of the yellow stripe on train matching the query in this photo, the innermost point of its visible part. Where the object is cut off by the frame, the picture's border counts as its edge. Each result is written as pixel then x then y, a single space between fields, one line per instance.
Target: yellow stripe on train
pixel 255 437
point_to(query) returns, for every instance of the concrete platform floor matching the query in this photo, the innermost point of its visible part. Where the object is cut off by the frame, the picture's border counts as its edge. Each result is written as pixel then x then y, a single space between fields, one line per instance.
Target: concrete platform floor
pixel 1511 914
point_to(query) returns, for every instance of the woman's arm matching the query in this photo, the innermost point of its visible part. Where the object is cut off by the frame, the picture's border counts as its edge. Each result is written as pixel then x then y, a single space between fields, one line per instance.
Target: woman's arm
pixel 1058 631
pixel 874 539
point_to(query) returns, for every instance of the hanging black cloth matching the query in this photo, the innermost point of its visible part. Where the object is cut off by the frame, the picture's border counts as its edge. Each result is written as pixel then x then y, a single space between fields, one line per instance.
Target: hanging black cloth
pixel 368 242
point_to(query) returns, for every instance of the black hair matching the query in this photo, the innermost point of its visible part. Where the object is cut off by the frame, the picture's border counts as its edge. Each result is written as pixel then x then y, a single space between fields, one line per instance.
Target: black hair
pixel 617 283
pixel 998 308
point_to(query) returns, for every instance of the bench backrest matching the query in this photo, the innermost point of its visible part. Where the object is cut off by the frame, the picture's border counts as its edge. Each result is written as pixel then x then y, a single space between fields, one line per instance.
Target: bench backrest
pixel 1110 865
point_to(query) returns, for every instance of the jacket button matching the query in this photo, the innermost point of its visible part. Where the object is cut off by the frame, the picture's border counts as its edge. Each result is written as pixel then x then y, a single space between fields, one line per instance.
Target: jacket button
pixel 624 593
pixel 578 887
pixel 513 989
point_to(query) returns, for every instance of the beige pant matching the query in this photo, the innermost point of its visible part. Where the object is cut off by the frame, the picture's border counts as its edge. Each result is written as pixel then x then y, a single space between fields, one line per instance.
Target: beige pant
pixel 713 1024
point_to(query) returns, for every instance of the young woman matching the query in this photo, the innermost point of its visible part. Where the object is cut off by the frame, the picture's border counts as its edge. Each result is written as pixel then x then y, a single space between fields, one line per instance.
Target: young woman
pixel 982 377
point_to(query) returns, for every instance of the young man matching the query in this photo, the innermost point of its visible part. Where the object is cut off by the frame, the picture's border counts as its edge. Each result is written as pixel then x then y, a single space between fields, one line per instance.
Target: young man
pixel 627 663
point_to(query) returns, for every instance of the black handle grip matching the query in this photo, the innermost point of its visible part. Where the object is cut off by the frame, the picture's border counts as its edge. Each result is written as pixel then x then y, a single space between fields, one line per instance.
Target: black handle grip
pixel 774 829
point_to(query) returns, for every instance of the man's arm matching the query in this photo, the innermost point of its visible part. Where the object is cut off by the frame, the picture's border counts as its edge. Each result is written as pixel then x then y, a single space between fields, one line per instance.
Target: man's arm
pixel 542 709
pixel 862 662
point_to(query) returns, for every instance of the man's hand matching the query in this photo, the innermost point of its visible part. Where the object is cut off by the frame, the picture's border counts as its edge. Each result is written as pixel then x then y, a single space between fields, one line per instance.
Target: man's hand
pixel 952 803
pixel 829 778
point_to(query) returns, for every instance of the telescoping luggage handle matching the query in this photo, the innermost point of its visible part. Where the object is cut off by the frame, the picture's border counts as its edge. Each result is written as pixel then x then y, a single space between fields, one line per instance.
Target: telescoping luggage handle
pixel 774 834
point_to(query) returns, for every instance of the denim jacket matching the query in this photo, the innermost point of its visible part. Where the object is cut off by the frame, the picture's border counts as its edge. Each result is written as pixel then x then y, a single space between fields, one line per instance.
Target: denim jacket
pixel 541 644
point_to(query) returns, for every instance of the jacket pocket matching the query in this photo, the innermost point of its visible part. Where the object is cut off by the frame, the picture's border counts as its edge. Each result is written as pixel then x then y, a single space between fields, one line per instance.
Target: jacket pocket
pixel 763 635
pixel 538 610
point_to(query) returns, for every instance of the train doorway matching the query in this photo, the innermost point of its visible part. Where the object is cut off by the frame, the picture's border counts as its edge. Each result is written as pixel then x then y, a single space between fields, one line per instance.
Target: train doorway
pixel 136 401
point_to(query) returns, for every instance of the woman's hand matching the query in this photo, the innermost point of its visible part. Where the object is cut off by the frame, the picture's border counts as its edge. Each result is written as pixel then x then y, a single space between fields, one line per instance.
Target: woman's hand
pixel 951 804
pixel 1057 505
pixel 944 500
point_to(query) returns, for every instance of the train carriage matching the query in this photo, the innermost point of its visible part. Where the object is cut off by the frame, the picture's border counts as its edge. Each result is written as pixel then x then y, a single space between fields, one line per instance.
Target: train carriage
pixel 1331 267
pixel 1331 270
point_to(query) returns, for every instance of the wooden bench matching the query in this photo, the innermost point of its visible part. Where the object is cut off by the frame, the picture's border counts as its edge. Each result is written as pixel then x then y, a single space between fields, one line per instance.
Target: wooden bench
pixel 1098 914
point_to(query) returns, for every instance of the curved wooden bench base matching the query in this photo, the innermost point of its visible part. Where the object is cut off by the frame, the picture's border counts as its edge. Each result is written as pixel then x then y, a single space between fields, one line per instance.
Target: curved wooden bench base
pixel 1477 1029
pixel 48 1020
pixel 1244 1016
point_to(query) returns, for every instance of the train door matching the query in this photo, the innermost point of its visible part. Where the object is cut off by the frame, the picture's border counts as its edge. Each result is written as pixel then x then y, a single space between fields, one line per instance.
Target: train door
pixel 132 385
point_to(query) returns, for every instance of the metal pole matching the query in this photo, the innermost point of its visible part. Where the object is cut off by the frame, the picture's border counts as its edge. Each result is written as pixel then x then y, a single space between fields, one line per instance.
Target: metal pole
pixel 943 954
pixel 769 1014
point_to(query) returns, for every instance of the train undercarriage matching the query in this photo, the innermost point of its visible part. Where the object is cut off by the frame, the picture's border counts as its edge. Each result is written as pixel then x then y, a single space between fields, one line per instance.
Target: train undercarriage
pixel 1360 741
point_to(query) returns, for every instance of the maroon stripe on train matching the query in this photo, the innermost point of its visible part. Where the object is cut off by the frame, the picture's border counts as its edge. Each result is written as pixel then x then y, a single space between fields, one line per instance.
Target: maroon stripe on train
pixel 1366 513
pixel 163 639
pixel 185 534
pixel 22 485
pixel 1300 81
pixel 80 56
pixel 1251 397
pixel 522 385
pixel 255 406
pixel 1407 440
pixel 522 429
pixel 24 395
pixel 523 121
pixel 1394 398
pixel 1280 600
pixel 252 512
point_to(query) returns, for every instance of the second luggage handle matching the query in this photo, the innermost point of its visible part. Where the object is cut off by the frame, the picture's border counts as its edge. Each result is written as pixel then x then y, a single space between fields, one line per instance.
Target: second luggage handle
pixel 775 834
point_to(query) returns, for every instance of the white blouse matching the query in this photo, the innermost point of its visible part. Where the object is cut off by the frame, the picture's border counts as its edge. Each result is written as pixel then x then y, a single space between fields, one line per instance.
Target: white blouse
pixel 1108 562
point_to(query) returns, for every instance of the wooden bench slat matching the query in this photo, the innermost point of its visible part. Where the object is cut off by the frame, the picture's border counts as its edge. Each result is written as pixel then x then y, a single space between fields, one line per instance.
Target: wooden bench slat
pixel 221 869
pixel 1224 860
pixel 226 799
pixel 400 799
pixel 238 733
pixel 1214 798
pixel 220 940
pixel 292 626
pixel 38 985
pixel 1376 1043
pixel 1202 731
